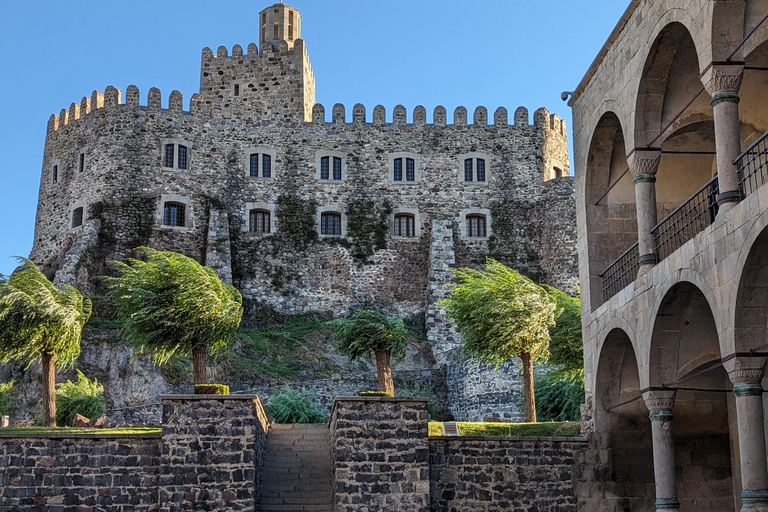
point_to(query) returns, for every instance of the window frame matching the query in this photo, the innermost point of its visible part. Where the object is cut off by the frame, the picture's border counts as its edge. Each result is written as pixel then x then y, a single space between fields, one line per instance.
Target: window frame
pixel 262 151
pixel 54 173
pixel 251 206
pixel 330 155
pixel 469 212
pixel 72 209
pixel 177 144
pixel 335 209
pixel 405 156
pixel 475 157
pixel 189 218
pixel 416 224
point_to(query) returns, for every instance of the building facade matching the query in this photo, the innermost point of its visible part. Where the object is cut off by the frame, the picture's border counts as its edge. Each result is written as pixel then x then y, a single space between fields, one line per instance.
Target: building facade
pixel 305 214
pixel 671 155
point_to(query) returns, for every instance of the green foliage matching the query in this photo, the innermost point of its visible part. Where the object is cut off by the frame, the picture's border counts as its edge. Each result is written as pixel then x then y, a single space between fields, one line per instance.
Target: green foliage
pixel 500 313
pixel 38 317
pixel 171 304
pixel 211 389
pixel 563 429
pixel 375 393
pixel 419 390
pixel 367 227
pixel 295 406
pixel 559 396
pixel 566 348
pixel 84 397
pixel 6 400
pixel 296 218
pixel 369 331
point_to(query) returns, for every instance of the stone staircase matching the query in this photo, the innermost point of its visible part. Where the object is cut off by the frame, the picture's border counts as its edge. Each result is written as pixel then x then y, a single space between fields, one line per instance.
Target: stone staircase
pixel 297 470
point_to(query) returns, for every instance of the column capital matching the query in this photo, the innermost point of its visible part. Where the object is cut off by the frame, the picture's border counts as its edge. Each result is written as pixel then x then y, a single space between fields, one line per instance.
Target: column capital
pixel 723 81
pixel 644 163
pixel 745 372
pixel 660 402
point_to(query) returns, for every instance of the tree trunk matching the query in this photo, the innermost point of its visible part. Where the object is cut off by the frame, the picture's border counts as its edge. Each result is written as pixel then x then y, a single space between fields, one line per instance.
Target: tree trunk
pixel 384 371
pixel 49 389
pixel 199 367
pixel 530 394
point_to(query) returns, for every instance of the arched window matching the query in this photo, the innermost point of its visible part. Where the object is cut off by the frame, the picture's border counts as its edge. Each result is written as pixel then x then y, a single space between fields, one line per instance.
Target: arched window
pixel 173 214
pixel 331 166
pixel 405 225
pixel 475 167
pixel 558 172
pixel 259 221
pixel 77 217
pixel 261 163
pixel 476 226
pixel 330 223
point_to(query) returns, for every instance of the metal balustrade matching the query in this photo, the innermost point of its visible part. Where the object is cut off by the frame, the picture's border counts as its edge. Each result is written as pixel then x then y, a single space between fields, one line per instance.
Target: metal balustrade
pixel 621 272
pixel 688 220
pixel 753 166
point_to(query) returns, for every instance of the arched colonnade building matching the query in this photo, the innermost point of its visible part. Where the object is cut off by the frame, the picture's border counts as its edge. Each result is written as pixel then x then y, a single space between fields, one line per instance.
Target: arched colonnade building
pixel 671 154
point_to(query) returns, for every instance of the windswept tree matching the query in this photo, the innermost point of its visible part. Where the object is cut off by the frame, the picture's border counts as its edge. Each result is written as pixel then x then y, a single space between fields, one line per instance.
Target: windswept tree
pixel 566 349
pixel 373 333
pixel 502 314
pixel 39 321
pixel 171 305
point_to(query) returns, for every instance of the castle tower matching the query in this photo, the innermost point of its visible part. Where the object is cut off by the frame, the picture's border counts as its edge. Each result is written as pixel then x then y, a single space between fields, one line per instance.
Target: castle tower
pixel 279 23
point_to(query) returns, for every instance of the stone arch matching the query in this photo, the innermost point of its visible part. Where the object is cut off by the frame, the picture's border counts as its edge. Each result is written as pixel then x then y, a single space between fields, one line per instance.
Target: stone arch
pixel 611 216
pixel 753 109
pixel 727 27
pixel 750 322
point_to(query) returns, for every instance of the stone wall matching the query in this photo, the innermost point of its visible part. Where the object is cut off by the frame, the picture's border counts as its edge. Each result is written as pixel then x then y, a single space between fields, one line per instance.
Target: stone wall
pixel 56 472
pixel 379 454
pixel 212 453
pixel 489 474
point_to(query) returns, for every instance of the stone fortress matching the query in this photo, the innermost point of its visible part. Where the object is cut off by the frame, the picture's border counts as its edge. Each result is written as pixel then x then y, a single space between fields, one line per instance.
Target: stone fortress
pixel 306 215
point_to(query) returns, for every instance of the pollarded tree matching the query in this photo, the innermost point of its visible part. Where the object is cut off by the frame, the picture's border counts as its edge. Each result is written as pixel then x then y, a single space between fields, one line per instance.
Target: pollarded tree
pixel 502 314
pixel 372 332
pixel 39 321
pixel 171 305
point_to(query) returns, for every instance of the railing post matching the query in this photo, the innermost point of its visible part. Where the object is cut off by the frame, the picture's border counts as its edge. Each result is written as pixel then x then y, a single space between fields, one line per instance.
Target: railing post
pixel 644 163
pixel 723 81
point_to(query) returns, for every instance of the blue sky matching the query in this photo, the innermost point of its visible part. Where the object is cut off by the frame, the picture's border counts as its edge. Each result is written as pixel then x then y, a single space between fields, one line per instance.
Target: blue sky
pixel 418 52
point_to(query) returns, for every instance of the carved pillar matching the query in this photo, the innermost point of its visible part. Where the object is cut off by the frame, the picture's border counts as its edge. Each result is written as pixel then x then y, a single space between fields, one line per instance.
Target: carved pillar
pixel 660 403
pixel 722 82
pixel 644 163
pixel 746 374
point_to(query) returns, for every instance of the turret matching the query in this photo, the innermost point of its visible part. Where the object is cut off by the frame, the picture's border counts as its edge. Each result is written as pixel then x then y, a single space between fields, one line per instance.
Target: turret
pixel 279 23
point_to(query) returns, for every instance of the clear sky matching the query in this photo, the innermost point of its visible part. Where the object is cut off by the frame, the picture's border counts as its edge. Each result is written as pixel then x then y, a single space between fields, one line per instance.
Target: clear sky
pixel 417 52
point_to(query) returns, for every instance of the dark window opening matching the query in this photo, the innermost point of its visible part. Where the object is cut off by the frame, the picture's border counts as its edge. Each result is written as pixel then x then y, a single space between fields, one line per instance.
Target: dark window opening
pixel 330 223
pixel 182 157
pixel 405 225
pixel 480 169
pixel 468 169
pixel 237 90
pixel 558 173
pixel 55 174
pixel 81 166
pixel 410 169
pixel 173 214
pixel 336 168
pixel 476 226
pixel 77 217
pixel 259 222
pixel 290 25
pixel 169 155
pixel 266 166
pixel 324 168
pixel 398 169
pixel 254 165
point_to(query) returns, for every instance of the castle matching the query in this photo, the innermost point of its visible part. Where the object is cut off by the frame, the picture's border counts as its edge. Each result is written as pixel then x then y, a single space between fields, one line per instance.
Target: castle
pixel 306 215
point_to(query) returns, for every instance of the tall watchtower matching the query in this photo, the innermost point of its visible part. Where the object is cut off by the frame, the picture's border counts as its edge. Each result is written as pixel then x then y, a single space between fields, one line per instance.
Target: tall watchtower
pixel 279 23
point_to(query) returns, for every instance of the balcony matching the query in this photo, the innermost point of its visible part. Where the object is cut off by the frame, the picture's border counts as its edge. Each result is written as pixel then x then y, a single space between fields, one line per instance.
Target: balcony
pixel 689 219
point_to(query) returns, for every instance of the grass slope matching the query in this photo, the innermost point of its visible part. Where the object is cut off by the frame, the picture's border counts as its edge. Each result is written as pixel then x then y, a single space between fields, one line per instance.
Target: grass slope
pixel 469 429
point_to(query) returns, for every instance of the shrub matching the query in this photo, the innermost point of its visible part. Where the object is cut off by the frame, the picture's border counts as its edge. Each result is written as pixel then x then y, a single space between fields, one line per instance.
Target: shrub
pixel 6 400
pixel 375 393
pixel 85 397
pixel 211 389
pixel 419 390
pixel 559 396
pixel 294 406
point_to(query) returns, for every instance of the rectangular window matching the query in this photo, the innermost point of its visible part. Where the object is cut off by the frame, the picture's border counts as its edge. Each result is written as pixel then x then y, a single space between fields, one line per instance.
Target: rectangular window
pixel 468 169
pixel 324 168
pixel 290 25
pixel 77 217
pixel 410 169
pixel 337 168
pixel 405 225
pixel 173 214
pixel 254 165
pixel 480 169
pixel 169 155
pixel 266 166
pixel 330 223
pixel 237 90
pixel 55 174
pixel 264 25
pixel 398 169
pixel 476 226
pixel 81 166
pixel 259 221
pixel 182 157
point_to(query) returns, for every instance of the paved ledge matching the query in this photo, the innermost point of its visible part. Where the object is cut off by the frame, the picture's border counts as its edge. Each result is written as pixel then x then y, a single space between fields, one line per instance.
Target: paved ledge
pixel 378 399
pixel 209 397
pixel 74 435
pixel 510 439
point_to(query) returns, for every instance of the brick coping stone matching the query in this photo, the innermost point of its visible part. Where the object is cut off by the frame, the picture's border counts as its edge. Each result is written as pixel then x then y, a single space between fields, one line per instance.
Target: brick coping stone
pixel 74 435
pixel 209 397
pixel 510 439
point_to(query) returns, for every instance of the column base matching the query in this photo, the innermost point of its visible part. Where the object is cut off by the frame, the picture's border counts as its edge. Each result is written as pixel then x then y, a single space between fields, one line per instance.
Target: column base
pixel 667 504
pixel 754 501
pixel 754 507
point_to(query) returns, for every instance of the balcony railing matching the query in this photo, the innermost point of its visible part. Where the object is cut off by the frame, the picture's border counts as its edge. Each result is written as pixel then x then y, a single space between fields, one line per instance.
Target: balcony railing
pixel 753 166
pixel 688 220
pixel 621 272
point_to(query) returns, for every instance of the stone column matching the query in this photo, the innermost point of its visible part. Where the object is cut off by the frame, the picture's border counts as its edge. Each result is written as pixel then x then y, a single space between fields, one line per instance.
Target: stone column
pixel 746 374
pixel 644 163
pixel 660 403
pixel 722 82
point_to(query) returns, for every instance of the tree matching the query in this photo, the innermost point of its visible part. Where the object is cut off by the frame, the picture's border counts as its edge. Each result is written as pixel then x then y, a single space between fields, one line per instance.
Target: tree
pixel 372 332
pixel 171 305
pixel 502 314
pixel 566 349
pixel 39 321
